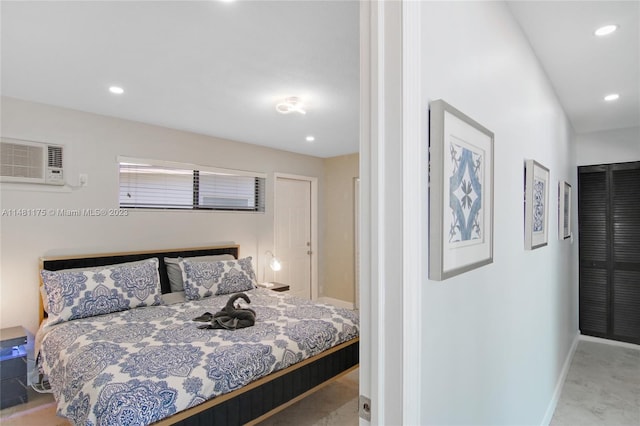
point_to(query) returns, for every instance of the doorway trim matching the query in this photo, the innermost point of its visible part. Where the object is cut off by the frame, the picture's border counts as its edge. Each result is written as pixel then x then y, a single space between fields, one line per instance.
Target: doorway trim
pixel 314 222
pixel 392 207
pixel 415 205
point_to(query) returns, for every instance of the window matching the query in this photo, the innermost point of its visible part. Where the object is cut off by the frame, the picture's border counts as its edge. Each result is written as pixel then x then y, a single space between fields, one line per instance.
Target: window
pixel 166 185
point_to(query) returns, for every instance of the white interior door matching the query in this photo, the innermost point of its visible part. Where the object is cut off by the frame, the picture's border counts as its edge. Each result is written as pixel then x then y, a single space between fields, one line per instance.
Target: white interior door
pixel 293 239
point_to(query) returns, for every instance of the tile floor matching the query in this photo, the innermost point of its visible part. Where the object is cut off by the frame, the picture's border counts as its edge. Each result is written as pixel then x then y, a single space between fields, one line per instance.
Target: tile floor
pixel 39 411
pixel 333 405
pixel 602 388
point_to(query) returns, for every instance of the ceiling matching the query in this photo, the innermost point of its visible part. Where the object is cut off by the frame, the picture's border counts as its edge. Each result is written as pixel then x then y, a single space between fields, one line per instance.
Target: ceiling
pixel 584 68
pixel 218 68
pixel 207 67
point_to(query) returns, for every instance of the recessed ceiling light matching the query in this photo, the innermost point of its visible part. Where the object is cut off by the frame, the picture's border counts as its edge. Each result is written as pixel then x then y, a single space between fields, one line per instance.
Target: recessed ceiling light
pixel 612 97
pixel 117 90
pixel 310 138
pixel 289 105
pixel 607 29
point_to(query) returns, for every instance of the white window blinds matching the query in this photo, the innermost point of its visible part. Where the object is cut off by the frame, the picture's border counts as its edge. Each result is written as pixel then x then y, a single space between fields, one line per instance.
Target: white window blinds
pixel 167 185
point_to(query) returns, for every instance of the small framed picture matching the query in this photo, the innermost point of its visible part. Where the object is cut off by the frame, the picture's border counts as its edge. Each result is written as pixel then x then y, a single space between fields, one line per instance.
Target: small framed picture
pixel 536 211
pixel 564 210
pixel 460 193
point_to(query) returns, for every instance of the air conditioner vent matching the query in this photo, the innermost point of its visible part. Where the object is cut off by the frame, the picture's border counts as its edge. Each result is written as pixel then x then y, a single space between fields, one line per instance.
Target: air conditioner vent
pixel 21 161
pixel 30 162
pixel 55 156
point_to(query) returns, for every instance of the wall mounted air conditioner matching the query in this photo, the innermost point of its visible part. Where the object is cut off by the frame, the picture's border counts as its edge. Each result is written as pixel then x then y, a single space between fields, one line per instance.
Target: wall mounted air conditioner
pixel 30 162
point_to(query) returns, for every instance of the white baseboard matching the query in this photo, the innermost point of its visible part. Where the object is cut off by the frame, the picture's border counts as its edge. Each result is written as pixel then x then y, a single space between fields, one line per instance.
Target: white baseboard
pixel 336 302
pixel 609 342
pixel 560 383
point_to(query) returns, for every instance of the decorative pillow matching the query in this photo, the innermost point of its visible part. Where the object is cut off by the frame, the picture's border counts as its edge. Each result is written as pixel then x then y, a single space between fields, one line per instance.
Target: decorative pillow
pixel 238 276
pixel 175 272
pixel 173 298
pixel 43 295
pixel 204 279
pixel 79 293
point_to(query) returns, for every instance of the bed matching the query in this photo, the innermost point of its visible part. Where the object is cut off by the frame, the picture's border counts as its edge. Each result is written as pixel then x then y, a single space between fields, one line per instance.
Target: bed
pixel 142 359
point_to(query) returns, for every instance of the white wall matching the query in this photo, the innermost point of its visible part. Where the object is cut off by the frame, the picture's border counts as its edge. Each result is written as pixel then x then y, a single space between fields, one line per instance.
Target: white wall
pixel 612 146
pixel 92 143
pixel 494 340
pixel 339 253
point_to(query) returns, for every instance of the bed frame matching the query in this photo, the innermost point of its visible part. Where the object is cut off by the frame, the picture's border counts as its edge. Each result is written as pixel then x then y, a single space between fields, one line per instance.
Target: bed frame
pixel 256 401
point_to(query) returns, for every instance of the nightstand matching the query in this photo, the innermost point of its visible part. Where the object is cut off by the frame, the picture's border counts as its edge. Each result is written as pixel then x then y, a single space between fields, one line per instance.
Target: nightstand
pixel 279 287
pixel 13 366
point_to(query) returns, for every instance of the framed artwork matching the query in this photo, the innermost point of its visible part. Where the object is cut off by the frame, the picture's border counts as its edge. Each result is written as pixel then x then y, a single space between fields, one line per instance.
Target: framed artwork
pixel 460 193
pixel 564 210
pixel 536 214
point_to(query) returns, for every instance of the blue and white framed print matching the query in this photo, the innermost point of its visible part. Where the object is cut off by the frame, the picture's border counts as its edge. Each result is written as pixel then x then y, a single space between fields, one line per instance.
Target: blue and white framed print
pixel 460 193
pixel 564 210
pixel 536 216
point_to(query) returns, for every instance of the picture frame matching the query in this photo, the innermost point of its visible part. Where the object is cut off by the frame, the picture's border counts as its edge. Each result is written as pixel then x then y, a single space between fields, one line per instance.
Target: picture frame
pixel 536 217
pixel 461 163
pixel 564 210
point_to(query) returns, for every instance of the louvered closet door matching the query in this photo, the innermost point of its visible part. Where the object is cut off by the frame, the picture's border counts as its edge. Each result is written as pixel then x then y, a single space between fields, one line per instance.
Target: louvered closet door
pixel 609 231
pixel 625 211
pixel 594 251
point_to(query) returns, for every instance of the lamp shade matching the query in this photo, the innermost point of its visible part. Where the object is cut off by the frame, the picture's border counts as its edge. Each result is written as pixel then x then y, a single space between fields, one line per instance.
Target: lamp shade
pixel 275 264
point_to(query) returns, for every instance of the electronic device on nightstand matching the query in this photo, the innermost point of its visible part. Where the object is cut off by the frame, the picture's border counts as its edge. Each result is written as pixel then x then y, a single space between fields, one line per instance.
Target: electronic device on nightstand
pixel 13 366
pixel 275 286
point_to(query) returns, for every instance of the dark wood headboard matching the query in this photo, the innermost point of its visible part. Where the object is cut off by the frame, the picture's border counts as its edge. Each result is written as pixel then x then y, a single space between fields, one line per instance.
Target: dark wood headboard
pixel 91 260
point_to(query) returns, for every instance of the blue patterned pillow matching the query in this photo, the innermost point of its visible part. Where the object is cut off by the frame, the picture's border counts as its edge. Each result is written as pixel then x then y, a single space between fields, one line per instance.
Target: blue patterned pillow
pixel 82 293
pixel 175 273
pixel 203 279
pixel 238 276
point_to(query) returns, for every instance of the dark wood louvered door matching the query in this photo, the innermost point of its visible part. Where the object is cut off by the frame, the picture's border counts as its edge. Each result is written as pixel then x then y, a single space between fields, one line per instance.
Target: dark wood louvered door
pixel 609 234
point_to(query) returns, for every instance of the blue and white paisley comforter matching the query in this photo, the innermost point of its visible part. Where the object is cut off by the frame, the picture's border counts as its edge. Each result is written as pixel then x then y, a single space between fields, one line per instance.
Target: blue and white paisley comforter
pixel 139 366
